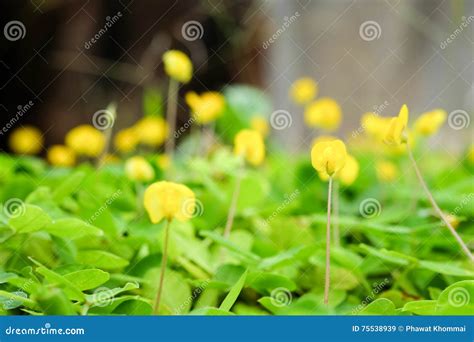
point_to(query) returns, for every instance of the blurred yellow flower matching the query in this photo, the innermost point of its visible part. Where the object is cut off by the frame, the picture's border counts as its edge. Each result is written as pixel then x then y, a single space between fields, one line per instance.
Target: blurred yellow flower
pixel 178 66
pixel 60 155
pixel 138 169
pixel 329 157
pixel 374 125
pixel 386 171
pixel 430 122
pixel 453 219
pixel 396 133
pixel 151 131
pixel 126 140
pixel 323 138
pixel 303 90
pixel 260 124
pixel 348 174
pixel 163 161
pixel 86 140
pixel 206 107
pixel 324 113
pixel 26 140
pixel 250 145
pixel 167 200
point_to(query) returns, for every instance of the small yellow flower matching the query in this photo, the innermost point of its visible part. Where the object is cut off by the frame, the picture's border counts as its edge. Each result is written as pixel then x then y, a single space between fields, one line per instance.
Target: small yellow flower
pixel 303 90
pixel 167 200
pixel 206 107
pixel 249 144
pixel 26 140
pixel 86 140
pixel 396 133
pixel 430 122
pixel 386 171
pixel 348 174
pixel 259 124
pixel 138 169
pixel 163 161
pixel 178 66
pixel 374 125
pixel 329 157
pixel 60 155
pixel 324 113
pixel 151 131
pixel 126 140
pixel 323 138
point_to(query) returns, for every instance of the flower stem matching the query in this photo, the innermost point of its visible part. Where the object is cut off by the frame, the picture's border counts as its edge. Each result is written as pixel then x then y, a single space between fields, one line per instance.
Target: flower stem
pixel 156 308
pixel 336 231
pixel 436 207
pixel 233 205
pixel 328 246
pixel 171 111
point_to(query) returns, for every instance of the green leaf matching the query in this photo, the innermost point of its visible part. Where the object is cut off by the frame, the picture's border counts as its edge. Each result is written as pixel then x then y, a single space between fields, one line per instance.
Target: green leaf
pixel 134 307
pixel 210 312
pixel 87 279
pixel 217 238
pixel 381 306
pixel 421 307
pixel 389 256
pixel 446 268
pixel 70 185
pixel 104 296
pixel 287 257
pixel 101 259
pixel 266 282
pixel 457 299
pixel 32 219
pixel 72 228
pixel 233 293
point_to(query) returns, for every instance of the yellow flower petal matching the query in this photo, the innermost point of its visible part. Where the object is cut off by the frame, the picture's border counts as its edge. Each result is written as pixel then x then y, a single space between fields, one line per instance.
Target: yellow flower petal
pixel 178 66
pixel 249 144
pixel 329 157
pixel 26 140
pixel 86 140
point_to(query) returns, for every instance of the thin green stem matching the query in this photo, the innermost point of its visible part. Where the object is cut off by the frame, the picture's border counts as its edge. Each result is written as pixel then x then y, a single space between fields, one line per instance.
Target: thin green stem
pixel 436 207
pixel 233 204
pixel 336 231
pixel 164 257
pixel 171 112
pixel 327 279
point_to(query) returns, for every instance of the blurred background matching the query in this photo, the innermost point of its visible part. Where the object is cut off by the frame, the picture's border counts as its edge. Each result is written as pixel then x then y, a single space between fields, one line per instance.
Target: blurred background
pixel 63 60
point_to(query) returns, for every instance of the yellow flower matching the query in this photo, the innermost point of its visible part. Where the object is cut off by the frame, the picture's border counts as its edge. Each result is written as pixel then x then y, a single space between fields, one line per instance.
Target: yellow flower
pixel 329 157
pixel 178 66
pixel 374 125
pixel 26 140
pixel 429 123
pixel 60 155
pixel 163 161
pixel 453 220
pixel 206 107
pixel 324 113
pixel 348 174
pixel 85 140
pixel 396 132
pixel 303 90
pixel 126 140
pixel 167 200
pixel 151 131
pixel 249 144
pixel 138 169
pixel 323 138
pixel 386 171
pixel 259 124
